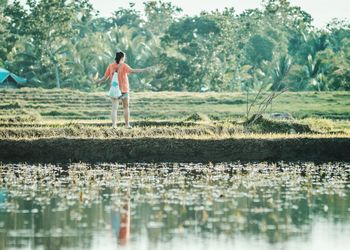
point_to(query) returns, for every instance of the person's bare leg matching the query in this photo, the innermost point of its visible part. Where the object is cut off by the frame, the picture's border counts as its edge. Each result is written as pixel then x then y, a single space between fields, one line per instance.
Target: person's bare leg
pixel 126 111
pixel 114 112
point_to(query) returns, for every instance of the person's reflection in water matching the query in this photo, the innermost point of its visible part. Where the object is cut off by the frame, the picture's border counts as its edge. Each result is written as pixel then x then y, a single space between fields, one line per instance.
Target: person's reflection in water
pixel 3 195
pixel 121 222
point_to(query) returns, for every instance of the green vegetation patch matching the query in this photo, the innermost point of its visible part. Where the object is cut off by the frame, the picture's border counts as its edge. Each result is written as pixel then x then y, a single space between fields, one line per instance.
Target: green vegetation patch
pixel 263 125
pixel 198 117
pixel 12 105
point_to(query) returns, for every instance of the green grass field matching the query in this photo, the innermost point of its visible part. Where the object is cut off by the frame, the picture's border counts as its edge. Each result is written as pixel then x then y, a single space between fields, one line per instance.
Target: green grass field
pixel 31 112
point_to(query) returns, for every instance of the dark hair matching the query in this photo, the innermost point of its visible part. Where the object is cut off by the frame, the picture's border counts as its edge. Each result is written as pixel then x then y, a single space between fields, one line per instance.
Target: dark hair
pixel 118 56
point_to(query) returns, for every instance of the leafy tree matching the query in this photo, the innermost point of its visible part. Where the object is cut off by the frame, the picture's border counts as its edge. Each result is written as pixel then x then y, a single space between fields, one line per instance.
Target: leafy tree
pixel 259 49
pixel 269 48
pixel 128 17
pixel 3 3
pixel 7 38
pixel 336 57
pixel 339 32
pixel 159 16
pixel 297 78
pixel 48 24
pixel 195 63
pixel 336 67
pixel 100 24
pixel 287 16
pixel 4 37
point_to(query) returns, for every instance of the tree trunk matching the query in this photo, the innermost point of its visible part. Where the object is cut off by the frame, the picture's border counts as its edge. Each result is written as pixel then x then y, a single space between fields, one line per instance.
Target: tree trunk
pixel 58 85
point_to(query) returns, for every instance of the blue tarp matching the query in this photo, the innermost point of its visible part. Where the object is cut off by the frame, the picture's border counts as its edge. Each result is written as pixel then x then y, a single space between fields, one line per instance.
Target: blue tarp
pixel 7 75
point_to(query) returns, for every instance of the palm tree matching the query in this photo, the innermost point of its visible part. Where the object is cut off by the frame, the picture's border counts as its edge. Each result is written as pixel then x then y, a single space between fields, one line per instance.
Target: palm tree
pixel 26 58
pixel 280 71
pixel 317 42
pixel 313 71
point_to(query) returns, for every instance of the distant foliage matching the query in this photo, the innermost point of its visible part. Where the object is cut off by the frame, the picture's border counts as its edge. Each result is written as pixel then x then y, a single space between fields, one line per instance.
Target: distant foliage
pixel 66 44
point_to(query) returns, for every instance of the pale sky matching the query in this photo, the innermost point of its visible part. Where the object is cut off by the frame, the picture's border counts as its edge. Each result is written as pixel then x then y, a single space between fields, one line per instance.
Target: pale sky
pixel 321 10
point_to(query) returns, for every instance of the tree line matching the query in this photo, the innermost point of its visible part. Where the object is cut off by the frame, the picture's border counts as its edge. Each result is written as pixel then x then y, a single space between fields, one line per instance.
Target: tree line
pixel 66 43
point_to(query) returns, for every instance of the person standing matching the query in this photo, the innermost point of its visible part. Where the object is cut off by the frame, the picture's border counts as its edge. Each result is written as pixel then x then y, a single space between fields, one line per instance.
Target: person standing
pixel 118 73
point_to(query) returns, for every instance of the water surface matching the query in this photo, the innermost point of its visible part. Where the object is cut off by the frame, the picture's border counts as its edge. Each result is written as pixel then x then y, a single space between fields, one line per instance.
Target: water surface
pixel 175 206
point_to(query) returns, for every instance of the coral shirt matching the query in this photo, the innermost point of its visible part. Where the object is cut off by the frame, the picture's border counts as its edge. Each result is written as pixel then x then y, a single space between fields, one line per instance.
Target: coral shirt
pixel 123 70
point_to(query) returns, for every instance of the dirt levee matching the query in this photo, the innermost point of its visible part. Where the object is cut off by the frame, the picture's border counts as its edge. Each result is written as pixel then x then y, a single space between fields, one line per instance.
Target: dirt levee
pixel 64 150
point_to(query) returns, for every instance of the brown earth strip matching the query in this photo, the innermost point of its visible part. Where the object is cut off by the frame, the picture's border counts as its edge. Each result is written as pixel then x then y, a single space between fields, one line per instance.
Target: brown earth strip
pixel 64 150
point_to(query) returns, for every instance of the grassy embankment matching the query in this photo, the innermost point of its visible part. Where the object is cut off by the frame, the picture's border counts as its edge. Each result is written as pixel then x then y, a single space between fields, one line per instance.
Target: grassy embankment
pixel 39 113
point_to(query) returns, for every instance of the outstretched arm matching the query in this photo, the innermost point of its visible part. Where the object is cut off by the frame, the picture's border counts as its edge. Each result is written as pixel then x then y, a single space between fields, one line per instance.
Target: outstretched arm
pixel 140 70
pixel 105 76
pixel 99 81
